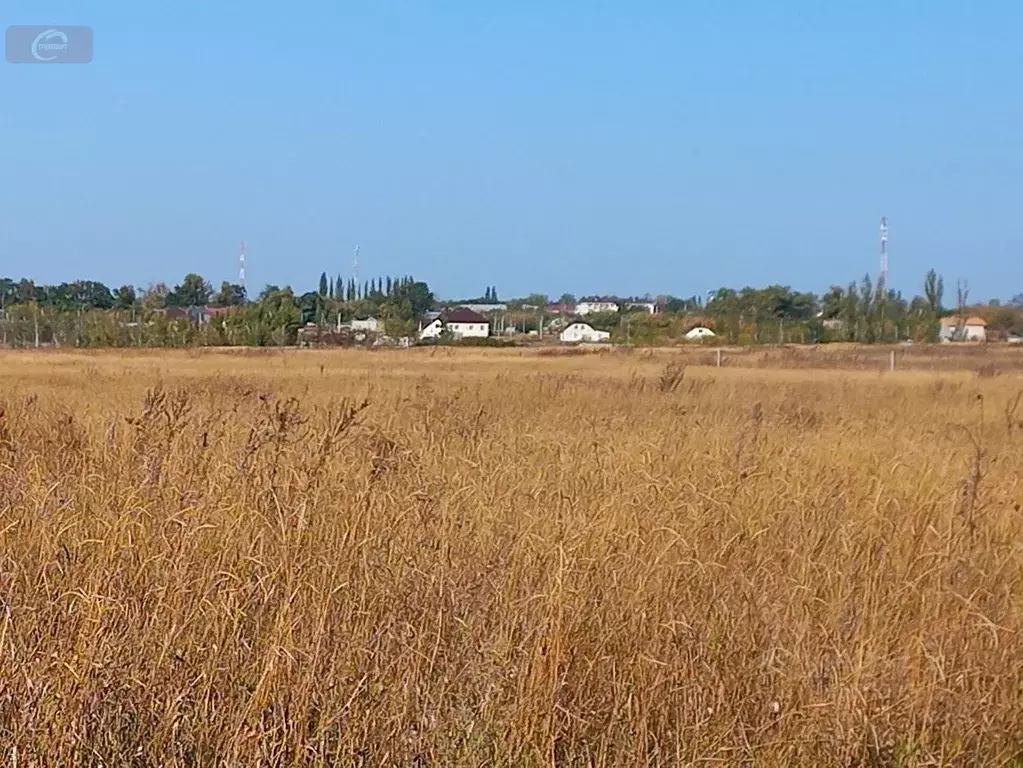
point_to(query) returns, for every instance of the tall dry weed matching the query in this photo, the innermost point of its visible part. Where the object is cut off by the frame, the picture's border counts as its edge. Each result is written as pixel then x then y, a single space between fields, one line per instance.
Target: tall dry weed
pixel 498 559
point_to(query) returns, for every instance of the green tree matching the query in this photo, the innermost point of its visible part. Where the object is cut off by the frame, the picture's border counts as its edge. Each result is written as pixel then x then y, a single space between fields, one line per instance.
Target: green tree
pixel 850 313
pixel 26 291
pixel 90 294
pixel 418 295
pixel 155 296
pixel 536 300
pixel 311 305
pixel 934 291
pixel 229 295
pixel 193 291
pixel 831 302
pixel 125 298
pixel 868 331
pixel 278 316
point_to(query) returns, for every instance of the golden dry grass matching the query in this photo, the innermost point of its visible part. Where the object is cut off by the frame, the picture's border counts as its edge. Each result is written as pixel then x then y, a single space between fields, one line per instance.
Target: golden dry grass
pixel 507 559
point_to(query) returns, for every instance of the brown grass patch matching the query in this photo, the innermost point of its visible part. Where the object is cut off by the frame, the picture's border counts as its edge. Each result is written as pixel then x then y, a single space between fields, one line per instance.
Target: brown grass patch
pixel 476 557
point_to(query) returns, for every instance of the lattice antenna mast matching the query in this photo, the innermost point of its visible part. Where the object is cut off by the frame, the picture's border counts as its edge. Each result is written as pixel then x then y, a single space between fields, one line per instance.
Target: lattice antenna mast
pixel 884 253
pixel 355 268
pixel 241 265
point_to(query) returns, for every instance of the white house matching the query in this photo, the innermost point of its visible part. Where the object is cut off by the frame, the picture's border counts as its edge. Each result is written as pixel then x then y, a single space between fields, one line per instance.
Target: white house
pixel 460 323
pixel 371 324
pixel 579 331
pixel 646 306
pixel 593 306
pixel 432 329
pixel 699 332
pixel 495 307
pixel 972 329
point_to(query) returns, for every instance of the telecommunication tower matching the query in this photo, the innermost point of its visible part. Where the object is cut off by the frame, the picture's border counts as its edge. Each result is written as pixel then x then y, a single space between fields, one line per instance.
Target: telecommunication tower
pixel 884 253
pixel 241 265
pixel 355 268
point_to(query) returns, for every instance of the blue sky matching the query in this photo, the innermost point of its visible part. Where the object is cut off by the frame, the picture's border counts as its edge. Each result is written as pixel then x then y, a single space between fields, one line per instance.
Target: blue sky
pixel 587 147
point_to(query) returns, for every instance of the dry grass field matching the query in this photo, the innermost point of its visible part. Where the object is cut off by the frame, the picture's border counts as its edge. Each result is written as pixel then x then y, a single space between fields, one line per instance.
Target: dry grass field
pixel 506 558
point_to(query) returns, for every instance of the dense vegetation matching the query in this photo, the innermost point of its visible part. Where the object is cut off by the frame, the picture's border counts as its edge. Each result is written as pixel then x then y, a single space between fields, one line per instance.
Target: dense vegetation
pixel 87 313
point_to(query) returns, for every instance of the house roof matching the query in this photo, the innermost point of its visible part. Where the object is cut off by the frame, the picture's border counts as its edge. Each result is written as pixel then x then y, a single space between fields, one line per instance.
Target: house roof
pixel 953 320
pixel 462 315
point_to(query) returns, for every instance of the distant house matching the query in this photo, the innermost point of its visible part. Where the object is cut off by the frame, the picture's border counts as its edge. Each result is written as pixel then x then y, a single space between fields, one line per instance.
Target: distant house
pixel 560 309
pixel 461 323
pixel 646 306
pixel 432 329
pixel 955 328
pixel 198 315
pixel 557 323
pixel 700 332
pixel 212 312
pixel 594 305
pixel 370 324
pixel 580 331
pixel 494 307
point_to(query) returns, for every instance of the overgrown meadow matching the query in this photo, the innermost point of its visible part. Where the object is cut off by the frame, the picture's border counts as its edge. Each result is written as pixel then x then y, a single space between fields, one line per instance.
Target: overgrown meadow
pixel 506 558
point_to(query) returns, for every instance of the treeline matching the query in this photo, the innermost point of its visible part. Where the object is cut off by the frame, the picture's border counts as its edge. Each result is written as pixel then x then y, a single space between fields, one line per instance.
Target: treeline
pixel 861 311
pixel 865 312
pixel 193 312
pixel 88 313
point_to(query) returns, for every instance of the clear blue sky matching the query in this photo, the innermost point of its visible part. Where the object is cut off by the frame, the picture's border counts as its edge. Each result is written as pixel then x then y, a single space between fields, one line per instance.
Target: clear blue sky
pixel 577 145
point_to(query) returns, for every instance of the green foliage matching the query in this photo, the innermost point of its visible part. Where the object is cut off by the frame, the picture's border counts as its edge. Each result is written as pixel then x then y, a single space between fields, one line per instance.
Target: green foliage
pixel 87 313
pixel 230 295
pixel 125 297
pixel 536 300
pixel 193 291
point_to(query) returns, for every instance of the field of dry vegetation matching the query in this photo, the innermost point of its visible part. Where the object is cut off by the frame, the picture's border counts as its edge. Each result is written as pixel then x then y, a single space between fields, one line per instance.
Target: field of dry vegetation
pixel 506 558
